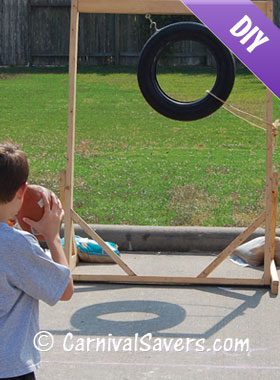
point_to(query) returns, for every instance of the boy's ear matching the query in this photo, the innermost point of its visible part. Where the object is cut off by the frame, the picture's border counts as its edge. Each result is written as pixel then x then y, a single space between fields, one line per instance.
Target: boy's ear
pixel 21 191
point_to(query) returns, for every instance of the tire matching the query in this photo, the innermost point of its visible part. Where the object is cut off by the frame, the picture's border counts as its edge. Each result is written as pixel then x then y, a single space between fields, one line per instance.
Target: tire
pixel 147 65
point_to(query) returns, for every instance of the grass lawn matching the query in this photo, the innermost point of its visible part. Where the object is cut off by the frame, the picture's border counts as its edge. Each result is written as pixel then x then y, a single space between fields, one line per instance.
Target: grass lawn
pixel 132 165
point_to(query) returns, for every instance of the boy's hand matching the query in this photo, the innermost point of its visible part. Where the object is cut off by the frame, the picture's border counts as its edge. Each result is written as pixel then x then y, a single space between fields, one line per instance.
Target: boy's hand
pixel 49 224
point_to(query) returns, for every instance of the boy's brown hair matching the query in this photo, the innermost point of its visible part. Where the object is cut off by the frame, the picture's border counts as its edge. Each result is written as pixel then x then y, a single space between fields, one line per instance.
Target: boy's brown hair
pixel 14 171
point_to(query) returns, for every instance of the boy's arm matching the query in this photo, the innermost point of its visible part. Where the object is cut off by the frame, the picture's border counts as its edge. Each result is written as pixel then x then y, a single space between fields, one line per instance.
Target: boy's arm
pixel 49 227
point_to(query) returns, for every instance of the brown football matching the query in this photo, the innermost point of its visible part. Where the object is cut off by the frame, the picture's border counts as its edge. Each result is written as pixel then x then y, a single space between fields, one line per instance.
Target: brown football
pixel 33 208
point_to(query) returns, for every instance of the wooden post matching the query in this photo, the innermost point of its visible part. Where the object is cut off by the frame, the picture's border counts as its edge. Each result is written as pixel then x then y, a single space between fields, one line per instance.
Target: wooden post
pixel 62 184
pixel 269 233
pixel 73 54
pixel 74 256
pixel 274 278
pixel 273 272
pixel 268 197
pixel 274 210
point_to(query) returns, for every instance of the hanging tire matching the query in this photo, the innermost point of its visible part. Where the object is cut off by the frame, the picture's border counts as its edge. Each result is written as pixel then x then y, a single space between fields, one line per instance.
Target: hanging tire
pixel 147 67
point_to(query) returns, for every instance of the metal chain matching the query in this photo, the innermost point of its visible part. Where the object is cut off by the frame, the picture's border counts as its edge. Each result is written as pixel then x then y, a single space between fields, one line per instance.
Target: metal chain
pixel 153 24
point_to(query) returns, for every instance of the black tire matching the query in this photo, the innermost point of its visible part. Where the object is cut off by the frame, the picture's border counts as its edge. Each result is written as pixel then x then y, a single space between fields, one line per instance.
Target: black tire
pixel 155 96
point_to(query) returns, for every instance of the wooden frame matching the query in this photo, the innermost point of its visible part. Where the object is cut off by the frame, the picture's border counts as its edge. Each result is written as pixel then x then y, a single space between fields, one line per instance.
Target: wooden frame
pixel 144 6
pixel 270 277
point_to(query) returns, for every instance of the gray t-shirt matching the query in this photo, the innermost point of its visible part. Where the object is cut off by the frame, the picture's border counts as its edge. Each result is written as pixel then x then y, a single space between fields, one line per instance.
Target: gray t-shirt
pixel 27 275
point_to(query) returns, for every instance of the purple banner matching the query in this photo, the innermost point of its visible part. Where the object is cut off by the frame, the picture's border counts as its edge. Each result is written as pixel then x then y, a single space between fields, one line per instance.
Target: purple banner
pixel 247 32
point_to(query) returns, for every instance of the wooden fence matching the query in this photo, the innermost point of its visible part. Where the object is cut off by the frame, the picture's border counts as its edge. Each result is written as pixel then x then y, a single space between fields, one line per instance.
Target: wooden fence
pixel 36 32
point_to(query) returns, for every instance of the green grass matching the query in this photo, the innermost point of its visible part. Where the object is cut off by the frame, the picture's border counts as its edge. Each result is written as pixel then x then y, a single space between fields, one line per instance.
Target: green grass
pixel 132 165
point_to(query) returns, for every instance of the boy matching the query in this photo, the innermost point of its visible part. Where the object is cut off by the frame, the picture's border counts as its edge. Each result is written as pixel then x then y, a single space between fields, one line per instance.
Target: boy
pixel 27 274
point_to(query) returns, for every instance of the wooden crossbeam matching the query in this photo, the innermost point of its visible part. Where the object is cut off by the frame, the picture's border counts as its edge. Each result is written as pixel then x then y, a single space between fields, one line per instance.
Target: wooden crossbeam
pixel 168 280
pixel 143 6
pixel 133 6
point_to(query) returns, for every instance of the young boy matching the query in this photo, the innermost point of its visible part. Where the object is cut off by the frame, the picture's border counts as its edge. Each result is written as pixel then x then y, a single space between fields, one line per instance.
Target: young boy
pixel 27 274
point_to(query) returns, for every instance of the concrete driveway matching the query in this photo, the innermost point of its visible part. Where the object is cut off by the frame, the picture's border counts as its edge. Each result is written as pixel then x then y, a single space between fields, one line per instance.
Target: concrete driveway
pixel 123 332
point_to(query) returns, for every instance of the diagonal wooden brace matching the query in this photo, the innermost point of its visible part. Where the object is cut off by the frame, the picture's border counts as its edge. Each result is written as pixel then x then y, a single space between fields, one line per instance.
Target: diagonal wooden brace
pixel 232 246
pixel 101 242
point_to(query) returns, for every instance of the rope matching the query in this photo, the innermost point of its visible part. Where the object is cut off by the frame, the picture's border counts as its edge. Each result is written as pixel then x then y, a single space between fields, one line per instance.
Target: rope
pixel 233 110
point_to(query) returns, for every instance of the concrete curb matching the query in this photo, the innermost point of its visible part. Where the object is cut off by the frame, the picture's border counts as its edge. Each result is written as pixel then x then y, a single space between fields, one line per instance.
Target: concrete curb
pixel 168 239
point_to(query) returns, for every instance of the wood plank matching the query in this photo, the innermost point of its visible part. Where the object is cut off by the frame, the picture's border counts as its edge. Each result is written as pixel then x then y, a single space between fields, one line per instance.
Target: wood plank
pixel 274 210
pixel 269 10
pixel 274 278
pixel 232 246
pixel 269 234
pixel 73 263
pixel 264 6
pixel 271 188
pixel 74 258
pixel 62 183
pixel 143 6
pixel 133 7
pixel 167 280
pixel 101 242
pixel 275 191
pixel 69 237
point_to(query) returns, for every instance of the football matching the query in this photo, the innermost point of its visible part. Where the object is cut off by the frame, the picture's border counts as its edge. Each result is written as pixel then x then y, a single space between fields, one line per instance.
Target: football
pixel 33 208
